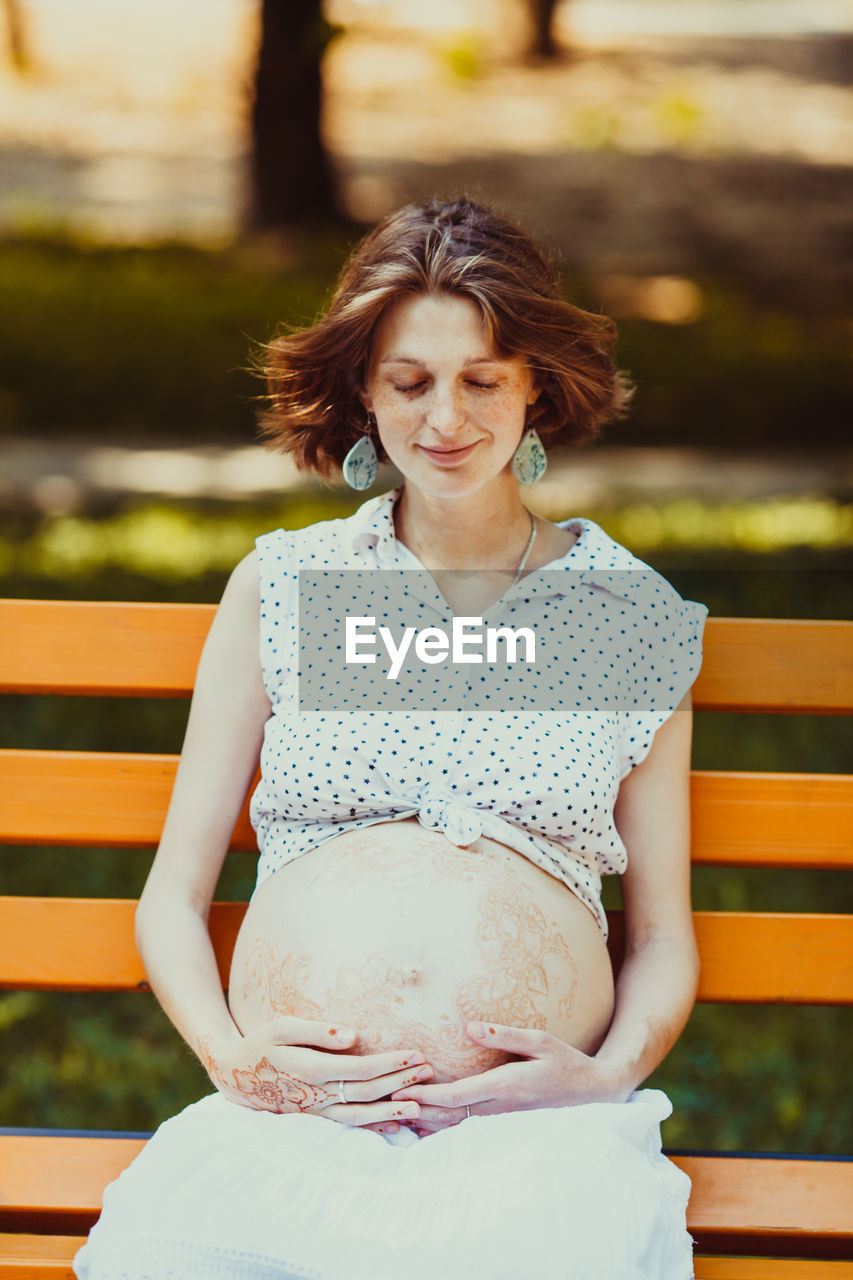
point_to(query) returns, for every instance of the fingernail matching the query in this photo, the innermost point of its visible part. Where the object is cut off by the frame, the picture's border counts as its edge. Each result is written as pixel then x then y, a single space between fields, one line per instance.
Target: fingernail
pixel 477 1028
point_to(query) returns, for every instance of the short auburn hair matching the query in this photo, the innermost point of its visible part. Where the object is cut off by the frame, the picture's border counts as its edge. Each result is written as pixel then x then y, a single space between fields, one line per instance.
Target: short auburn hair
pixel 314 376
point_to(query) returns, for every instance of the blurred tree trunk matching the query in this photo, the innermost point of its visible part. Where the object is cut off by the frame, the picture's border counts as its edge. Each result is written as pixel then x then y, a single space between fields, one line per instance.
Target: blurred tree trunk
pixel 291 177
pixel 16 36
pixel 542 23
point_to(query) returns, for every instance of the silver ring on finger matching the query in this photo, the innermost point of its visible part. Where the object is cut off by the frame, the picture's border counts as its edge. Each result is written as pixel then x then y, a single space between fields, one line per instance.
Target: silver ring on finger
pixel 342 1092
pixel 467 1112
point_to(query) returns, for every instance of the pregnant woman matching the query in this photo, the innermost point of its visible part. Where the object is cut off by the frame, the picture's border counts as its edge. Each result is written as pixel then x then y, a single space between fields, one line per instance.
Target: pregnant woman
pixel 424 1067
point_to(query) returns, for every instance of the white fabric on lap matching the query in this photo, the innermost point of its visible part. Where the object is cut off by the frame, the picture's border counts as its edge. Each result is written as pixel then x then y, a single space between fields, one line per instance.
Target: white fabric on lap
pixel 221 1191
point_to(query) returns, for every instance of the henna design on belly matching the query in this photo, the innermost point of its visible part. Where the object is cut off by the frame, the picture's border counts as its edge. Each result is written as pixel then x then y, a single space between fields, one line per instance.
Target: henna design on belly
pixel 496 919
pixel 279 984
pixel 515 941
pixel 370 997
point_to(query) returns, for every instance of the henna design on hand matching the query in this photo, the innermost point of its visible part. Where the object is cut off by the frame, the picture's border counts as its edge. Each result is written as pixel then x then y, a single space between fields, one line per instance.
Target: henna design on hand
pixel 264 1086
pixel 205 1053
pixel 277 1091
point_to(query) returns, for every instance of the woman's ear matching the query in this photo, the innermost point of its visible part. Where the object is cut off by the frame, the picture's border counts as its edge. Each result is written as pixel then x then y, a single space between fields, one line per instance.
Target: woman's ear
pixel 366 399
pixel 534 392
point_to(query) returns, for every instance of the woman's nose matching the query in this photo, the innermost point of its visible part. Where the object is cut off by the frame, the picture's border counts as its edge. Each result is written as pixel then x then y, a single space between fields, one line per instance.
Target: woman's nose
pixel 445 412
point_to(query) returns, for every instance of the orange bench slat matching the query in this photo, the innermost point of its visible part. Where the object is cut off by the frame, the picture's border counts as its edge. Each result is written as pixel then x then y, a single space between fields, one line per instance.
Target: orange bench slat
pixel 92 798
pixel 779 1198
pixel 31 1257
pixel 775 957
pixel 87 944
pixel 707 1268
pixel 771 819
pixel 109 648
pixel 751 664
pixel 776 664
pixel 43 1173
pixel 120 800
pixel 79 944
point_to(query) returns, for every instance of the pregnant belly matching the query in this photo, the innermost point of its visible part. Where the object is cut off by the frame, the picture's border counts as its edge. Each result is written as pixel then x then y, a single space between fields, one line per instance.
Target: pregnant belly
pixel 406 937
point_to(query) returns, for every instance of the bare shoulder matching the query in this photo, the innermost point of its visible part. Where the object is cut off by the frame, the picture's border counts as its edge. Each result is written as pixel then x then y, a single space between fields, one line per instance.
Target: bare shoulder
pixel 240 603
pixel 233 640
pixel 244 583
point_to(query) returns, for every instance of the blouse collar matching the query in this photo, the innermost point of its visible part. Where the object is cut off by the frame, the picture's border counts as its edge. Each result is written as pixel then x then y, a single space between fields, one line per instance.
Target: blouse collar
pixel 594 559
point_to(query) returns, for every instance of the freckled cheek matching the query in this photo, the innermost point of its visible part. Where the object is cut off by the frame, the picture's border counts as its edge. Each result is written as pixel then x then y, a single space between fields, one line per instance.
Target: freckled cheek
pixel 504 421
pixel 507 405
pixel 396 418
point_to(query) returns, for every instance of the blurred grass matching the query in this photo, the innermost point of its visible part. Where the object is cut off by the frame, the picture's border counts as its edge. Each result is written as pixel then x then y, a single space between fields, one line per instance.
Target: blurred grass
pixel 197 542
pixel 114 341
pixel 143 340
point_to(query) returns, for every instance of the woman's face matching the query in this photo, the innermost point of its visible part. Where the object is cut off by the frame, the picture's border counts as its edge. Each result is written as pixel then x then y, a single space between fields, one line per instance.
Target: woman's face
pixel 449 412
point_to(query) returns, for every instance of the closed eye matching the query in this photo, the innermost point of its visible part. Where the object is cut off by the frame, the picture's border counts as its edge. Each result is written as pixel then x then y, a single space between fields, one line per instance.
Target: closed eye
pixel 409 388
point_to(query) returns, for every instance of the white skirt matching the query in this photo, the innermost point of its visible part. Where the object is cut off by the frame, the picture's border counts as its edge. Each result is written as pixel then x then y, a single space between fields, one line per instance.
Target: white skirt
pixel 221 1191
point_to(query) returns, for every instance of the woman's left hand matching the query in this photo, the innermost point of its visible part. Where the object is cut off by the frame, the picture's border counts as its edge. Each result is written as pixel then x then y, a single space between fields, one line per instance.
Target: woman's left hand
pixel 553 1075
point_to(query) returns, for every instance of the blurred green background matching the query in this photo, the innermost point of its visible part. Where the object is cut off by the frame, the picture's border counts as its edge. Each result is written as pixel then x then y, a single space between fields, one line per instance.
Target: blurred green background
pixel 731 320
pixel 151 343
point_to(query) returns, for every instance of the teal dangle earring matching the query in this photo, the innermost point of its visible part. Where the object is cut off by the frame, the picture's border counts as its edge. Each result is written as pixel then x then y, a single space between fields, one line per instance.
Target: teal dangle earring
pixel 529 462
pixel 361 465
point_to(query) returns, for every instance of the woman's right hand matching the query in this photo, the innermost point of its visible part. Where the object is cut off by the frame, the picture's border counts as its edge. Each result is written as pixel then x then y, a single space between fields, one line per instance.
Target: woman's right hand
pixel 274 1069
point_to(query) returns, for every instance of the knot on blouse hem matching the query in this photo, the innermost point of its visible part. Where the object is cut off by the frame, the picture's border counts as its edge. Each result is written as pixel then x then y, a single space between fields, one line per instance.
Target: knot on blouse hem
pixel 439 812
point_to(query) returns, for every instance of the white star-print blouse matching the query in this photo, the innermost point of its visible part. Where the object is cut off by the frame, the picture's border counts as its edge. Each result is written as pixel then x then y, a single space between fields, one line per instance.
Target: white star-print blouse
pixel 623 647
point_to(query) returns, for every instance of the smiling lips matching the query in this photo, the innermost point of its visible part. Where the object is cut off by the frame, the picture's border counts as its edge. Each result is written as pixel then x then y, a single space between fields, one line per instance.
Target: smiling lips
pixel 446 456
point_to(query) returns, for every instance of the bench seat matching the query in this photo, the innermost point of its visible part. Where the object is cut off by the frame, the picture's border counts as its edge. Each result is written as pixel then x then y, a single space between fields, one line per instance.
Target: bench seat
pixel 754 1217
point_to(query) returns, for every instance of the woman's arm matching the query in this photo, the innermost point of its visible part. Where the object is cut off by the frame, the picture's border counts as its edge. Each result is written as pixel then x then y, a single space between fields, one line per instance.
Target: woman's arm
pixel 218 762
pixel 217 765
pixel 656 987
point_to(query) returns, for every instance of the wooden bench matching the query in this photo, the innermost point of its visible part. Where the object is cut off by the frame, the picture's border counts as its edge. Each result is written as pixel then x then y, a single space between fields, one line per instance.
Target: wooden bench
pixel 792 1216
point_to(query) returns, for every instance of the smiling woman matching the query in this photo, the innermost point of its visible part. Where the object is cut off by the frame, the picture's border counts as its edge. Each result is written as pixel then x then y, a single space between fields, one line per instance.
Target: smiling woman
pixel 426 944
pixel 317 378
pixel 448 400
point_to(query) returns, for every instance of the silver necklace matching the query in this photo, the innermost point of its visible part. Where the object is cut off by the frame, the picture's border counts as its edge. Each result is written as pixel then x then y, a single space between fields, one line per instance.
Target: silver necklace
pixel 523 561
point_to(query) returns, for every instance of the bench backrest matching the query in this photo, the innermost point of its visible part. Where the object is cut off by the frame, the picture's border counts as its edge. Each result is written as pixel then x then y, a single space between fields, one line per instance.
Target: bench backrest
pixel 738 819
